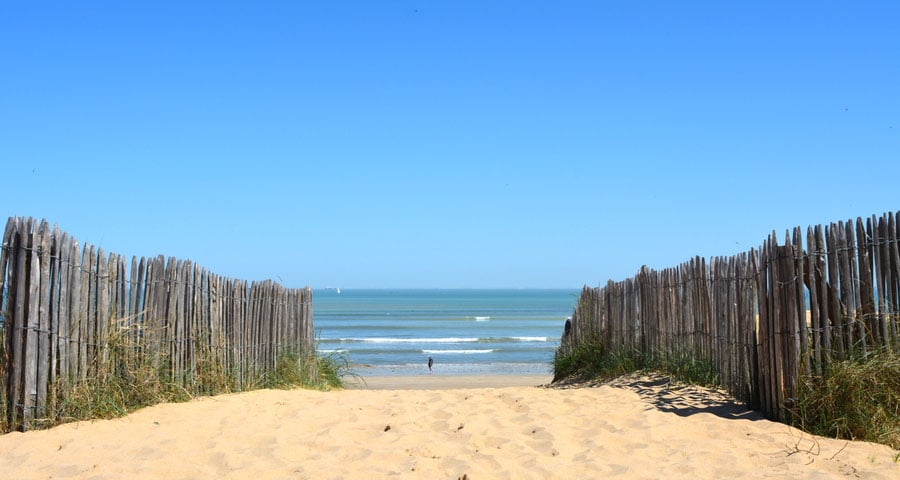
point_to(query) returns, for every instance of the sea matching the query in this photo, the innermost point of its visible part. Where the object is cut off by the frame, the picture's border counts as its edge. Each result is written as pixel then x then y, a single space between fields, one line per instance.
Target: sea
pixel 465 332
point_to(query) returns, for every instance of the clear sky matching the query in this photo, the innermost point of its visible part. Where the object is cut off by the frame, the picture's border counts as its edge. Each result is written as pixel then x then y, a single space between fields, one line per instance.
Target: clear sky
pixel 446 143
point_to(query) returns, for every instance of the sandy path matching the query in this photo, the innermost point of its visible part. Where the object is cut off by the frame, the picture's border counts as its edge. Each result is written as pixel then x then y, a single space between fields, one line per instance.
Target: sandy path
pixel 510 432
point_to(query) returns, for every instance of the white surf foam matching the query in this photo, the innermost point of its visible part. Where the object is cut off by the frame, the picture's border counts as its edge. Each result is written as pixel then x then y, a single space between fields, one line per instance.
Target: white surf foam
pixel 412 340
pixel 464 352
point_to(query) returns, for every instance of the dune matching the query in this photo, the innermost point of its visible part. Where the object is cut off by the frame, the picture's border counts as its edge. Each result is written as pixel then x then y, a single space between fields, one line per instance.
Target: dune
pixel 433 427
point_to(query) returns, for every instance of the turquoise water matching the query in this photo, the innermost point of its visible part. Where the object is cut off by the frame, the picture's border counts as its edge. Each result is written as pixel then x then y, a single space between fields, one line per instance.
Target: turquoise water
pixel 466 332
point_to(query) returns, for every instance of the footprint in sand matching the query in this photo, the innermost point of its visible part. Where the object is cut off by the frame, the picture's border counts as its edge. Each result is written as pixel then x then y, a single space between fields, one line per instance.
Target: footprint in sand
pixel 481 444
pixel 355 454
pixel 442 415
pixel 440 426
pixel 540 440
pixel 515 402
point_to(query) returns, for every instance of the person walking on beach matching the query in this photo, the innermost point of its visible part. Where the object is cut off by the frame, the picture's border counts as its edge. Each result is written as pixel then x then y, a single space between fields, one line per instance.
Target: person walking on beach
pixel 430 363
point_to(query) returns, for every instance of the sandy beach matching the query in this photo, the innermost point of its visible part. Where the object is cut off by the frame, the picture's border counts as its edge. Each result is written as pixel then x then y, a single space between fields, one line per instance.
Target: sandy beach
pixel 434 427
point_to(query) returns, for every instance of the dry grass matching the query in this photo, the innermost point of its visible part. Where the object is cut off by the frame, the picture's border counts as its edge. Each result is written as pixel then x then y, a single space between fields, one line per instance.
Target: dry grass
pixel 125 374
pixel 857 399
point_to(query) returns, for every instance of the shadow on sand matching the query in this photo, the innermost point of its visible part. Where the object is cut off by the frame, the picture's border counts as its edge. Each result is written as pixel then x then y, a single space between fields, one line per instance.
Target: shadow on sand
pixel 682 400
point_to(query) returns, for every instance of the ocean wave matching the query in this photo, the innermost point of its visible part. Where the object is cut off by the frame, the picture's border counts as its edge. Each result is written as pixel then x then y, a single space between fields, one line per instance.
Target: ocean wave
pixel 412 340
pixel 514 339
pixel 532 339
pixel 441 340
pixel 464 352
pixel 482 319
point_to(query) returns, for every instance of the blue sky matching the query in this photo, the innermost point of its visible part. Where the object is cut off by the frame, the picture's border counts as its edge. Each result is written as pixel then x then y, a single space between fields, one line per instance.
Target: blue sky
pixel 446 144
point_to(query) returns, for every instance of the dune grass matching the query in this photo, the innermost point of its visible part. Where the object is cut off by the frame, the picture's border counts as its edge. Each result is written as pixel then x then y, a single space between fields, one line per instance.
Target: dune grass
pixel 594 360
pixel 125 376
pixel 321 372
pixel 855 399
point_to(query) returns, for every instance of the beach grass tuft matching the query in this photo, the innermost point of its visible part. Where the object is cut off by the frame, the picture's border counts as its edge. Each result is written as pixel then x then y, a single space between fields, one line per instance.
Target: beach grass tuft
pixel 593 360
pixel 685 368
pixel 320 372
pixel 126 375
pixel 330 371
pixel 855 399
pixel 586 360
pixel 122 379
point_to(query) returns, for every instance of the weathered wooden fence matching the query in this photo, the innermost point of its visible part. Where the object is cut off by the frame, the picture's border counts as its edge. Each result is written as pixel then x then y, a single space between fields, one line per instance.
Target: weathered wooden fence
pixel 64 307
pixel 765 317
